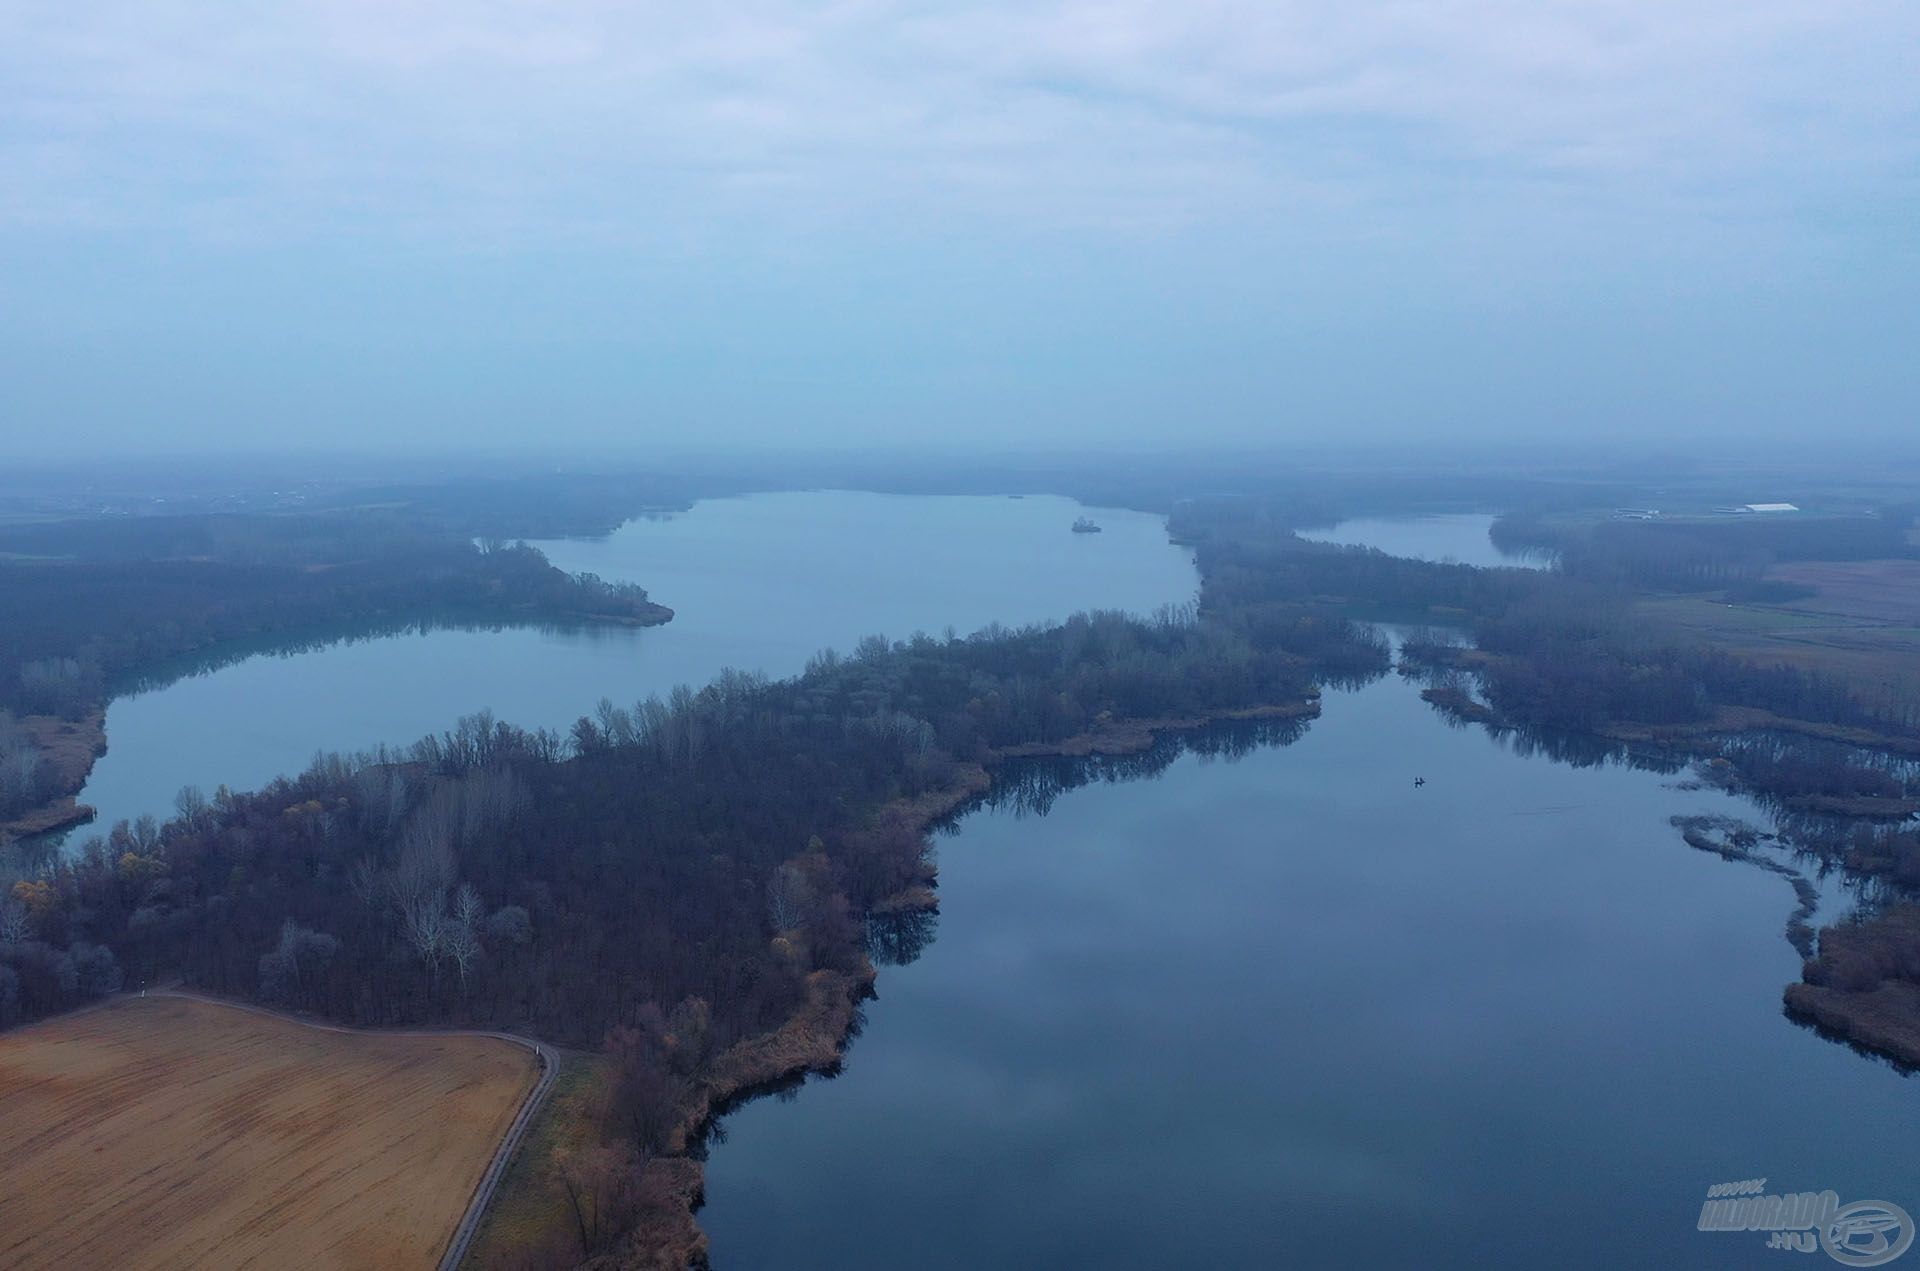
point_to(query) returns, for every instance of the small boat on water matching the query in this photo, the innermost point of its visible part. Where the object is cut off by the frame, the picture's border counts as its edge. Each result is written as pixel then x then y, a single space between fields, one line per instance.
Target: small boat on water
pixel 1084 526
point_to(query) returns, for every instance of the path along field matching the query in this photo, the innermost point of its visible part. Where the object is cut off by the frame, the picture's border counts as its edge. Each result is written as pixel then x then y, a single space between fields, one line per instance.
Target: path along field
pixel 168 1132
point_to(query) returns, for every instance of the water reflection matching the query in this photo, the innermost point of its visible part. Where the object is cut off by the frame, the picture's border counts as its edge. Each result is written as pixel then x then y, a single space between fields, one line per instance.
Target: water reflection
pixel 167 672
pixel 1455 537
pixel 759 583
pixel 1029 787
pixel 897 939
pixel 1221 1011
pixel 1817 849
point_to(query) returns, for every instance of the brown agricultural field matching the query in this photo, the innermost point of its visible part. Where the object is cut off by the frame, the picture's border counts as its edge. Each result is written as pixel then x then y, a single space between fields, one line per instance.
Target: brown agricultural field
pixel 1873 590
pixel 169 1132
pixel 1862 624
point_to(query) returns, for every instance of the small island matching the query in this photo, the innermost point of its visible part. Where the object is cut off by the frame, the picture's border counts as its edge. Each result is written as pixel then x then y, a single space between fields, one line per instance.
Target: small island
pixel 1085 526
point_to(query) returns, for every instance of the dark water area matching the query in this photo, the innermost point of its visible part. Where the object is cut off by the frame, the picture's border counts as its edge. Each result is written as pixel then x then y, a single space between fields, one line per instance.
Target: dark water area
pixel 1289 1009
pixel 759 583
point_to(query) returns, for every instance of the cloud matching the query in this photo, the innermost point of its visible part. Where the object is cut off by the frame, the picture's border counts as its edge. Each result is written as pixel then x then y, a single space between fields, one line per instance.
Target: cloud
pixel 509 121
pixel 237 223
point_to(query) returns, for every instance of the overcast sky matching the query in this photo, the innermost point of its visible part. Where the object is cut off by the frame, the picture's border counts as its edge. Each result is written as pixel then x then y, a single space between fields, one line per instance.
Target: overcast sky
pixel 561 223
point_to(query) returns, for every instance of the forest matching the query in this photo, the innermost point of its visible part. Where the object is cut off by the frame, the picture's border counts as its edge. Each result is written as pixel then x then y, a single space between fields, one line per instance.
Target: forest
pixel 628 844
pixel 673 882
pixel 1563 649
pixel 128 594
pixel 1700 552
pixel 667 881
pixel 89 608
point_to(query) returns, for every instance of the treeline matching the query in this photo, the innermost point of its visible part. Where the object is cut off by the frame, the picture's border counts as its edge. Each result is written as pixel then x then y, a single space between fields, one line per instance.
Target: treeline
pixel 1860 957
pixel 1864 984
pixel 631 845
pixel 1575 656
pixel 71 628
pixel 1030 787
pixel 299 538
pixel 1250 558
pixel 544 505
pixel 1795 768
pixel 669 878
pixel 26 778
pixel 1553 649
pixel 1697 554
pixel 662 881
pixel 1874 850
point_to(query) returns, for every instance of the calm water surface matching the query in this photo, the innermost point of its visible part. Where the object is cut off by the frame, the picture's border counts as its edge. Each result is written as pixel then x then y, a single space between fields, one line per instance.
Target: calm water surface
pixel 1456 536
pixel 1287 1010
pixel 1293 1011
pixel 759 583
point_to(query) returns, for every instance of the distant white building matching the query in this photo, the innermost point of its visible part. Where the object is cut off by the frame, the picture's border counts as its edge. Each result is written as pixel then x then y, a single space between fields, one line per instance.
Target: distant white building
pixel 1768 507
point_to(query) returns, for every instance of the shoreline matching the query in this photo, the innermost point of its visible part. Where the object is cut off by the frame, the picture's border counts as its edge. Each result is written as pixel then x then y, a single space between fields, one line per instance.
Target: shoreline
pixel 1724 719
pixel 74 745
pixel 1862 988
pixel 814 1040
pixel 1132 736
pixel 656 615
pixel 1883 1021
pixel 1751 719
pixel 71 746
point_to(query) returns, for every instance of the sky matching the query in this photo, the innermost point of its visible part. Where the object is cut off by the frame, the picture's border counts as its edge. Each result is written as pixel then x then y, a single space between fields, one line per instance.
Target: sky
pixel 1054 223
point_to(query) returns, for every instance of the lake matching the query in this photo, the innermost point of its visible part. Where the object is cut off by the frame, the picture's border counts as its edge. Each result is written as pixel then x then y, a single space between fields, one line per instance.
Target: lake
pixel 1284 1010
pixel 1292 1010
pixel 758 583
pixel 1460 537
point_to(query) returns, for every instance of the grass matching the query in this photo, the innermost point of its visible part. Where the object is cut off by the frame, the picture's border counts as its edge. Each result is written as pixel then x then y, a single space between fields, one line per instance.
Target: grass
pixel 70 747
pixel 166 1132
pixel 529 1214
pixel 1868 590
pixel 1861 626
pixel 1709 614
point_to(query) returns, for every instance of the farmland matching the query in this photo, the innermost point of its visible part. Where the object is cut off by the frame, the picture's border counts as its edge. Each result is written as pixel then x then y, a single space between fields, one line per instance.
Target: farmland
pixel 169 1132
pixel 1860 622
pixel 1865 590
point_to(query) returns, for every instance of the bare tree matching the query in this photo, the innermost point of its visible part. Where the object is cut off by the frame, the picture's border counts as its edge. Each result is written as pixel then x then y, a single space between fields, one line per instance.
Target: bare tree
pixel 467 909
pixel 191 807
pixel 381 793
pixel 602 1187
pixel 20 764
pixel 462 932
pixel 425 868
pixel 363 877
pixel 616 723
pixel 423 919
pixel 790 898
pixel 15 923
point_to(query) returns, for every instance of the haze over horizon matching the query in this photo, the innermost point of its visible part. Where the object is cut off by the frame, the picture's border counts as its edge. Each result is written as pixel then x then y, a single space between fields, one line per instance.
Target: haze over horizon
pixel 1067 225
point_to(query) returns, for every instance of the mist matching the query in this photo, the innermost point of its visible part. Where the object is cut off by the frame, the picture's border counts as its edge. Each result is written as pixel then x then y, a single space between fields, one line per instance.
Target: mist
pixel 1203 634
pixel 1012 227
